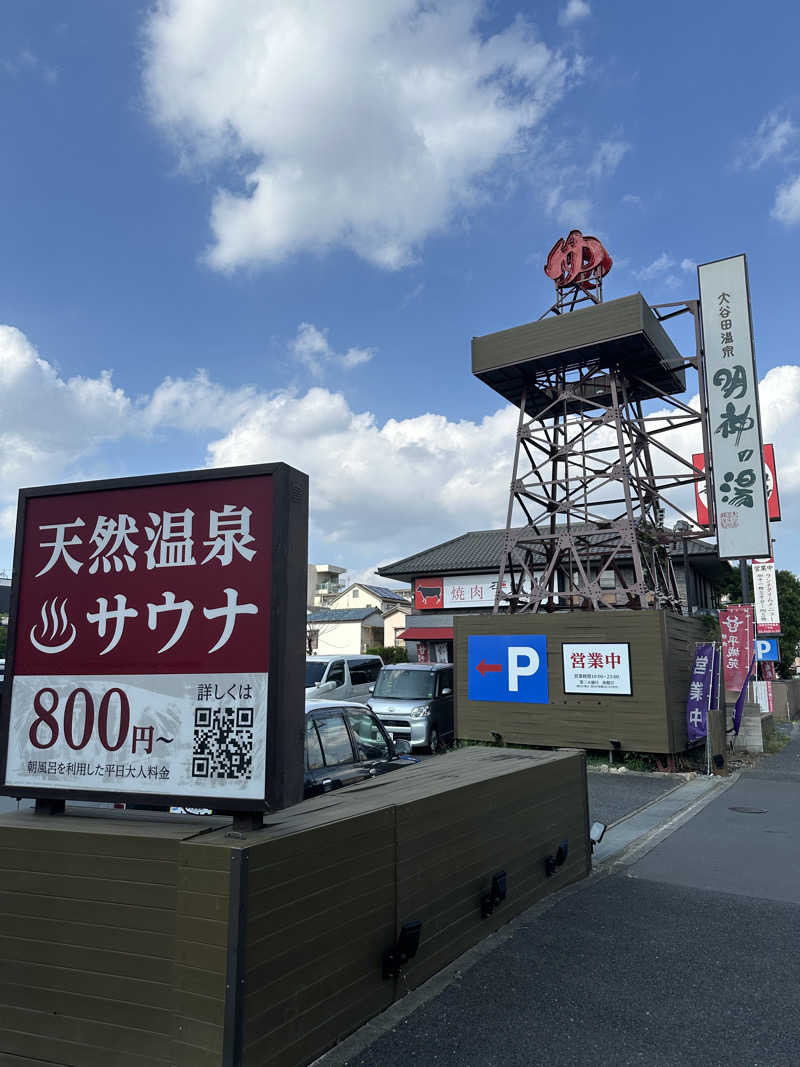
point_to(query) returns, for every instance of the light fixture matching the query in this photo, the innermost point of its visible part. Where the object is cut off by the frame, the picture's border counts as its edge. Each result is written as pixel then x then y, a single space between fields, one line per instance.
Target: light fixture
pixel 557 859
pixel 596 833
pixel 495 896
pixel 395 959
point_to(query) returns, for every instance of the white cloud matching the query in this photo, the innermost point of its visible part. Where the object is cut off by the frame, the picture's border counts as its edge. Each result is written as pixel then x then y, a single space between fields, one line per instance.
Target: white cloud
pixel 663 263
pixel 406 484
pixel 378 492
pixel 631 198
pixel 573 11
pixel 608 156
pixel 774 133
pixel 312 348
pixel 787 203
pixel 27 62
pixel 572 212
pixel 46 417
pixel 364 125
pixel 688 265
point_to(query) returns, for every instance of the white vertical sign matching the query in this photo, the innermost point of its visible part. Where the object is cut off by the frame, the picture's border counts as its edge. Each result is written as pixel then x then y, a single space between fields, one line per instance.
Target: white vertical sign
pixel 765 595
pixel 740 497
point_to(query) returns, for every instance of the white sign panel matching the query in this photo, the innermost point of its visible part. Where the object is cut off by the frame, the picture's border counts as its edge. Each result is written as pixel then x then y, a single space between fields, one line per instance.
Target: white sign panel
pixel 593 667
pixel 205 734
pixel 474 590
pixel 765 595
pixel 740 498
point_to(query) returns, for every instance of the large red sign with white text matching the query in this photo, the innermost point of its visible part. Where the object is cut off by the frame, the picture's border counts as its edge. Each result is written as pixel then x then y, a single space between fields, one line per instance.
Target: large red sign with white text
pixel 139 663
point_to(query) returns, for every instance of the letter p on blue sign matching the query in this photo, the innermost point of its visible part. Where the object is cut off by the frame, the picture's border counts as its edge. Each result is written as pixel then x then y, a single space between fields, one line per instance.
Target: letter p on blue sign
pixel 508 668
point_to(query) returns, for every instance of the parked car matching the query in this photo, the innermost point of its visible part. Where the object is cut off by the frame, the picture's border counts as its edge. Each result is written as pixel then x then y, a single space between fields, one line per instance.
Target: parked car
pixel 414 701
pixel 341 677
pixel 345 743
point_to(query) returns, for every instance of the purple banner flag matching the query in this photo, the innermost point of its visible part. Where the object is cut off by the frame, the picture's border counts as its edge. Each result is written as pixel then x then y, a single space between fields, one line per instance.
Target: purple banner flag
pixel 700 692
pixel 739 707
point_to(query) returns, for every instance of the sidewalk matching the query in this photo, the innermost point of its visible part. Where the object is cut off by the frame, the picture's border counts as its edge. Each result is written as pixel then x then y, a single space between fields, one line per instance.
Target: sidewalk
pixel 680 949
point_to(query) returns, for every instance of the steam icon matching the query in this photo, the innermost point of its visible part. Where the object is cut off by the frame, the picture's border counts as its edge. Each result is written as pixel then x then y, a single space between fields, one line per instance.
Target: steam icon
pixel 54 626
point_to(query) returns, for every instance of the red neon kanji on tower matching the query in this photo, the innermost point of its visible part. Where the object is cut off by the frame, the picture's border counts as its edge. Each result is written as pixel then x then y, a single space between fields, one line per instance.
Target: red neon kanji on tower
pixel 574 257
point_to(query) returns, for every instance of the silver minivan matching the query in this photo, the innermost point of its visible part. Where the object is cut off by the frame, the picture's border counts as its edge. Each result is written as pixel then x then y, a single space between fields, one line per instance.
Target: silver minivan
pixel 341 677
pixel 414 701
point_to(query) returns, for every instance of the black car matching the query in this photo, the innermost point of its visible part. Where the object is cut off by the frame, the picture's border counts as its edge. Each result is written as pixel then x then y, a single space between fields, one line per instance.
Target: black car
pixel 345 743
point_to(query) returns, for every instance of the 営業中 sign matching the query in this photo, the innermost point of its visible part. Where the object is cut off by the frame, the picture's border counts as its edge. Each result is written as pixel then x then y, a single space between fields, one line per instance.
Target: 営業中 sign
pixel 765 597
pixel 740 497
pixel 593 667
pixel 152 652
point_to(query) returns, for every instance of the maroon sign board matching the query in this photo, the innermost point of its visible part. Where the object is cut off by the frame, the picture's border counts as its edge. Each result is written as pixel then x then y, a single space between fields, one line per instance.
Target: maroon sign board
pixel 156 641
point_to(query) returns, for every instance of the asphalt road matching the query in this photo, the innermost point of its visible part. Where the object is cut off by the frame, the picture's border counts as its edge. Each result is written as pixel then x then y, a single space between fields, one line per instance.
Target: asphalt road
pixel 686 955
pixel 613 796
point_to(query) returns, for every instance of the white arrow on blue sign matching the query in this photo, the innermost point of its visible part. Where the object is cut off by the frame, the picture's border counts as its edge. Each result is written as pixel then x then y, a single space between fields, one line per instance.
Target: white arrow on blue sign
pixel 508 668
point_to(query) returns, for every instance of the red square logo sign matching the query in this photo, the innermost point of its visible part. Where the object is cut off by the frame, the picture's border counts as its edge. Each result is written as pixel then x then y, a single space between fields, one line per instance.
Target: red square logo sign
pixel 141 650
pixel 428 593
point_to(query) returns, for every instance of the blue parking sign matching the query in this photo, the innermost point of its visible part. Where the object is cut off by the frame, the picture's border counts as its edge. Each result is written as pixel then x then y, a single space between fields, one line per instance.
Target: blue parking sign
pixel 508 668
pixel 767 649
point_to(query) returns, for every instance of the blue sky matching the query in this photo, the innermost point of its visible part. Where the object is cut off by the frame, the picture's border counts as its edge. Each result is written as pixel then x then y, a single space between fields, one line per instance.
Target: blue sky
pixel 249 230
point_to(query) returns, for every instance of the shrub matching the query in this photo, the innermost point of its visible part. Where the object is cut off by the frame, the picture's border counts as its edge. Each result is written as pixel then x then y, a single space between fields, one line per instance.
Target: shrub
pixel 397 654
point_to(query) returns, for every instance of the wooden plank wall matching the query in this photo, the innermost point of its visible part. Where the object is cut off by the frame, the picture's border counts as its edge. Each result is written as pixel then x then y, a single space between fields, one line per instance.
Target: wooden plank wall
pixel 201 944
pixel 449 848
pixel 326 901
pixel 586 720
pixel 87 942
pixel 118 936
pixel 681 633
pixel 321 910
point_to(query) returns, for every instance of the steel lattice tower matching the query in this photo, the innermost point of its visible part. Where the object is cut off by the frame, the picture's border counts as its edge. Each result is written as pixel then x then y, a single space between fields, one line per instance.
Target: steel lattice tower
pixel 592 473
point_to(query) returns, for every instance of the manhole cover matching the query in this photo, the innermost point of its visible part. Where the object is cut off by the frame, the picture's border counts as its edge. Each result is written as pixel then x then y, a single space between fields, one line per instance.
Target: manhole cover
pixel 750 811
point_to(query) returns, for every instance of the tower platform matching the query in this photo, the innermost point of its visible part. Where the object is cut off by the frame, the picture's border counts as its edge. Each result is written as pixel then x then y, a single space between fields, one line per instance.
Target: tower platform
pixel 621 333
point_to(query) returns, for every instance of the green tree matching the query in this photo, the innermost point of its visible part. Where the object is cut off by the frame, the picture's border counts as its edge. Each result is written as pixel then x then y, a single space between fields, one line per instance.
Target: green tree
pixel 789 609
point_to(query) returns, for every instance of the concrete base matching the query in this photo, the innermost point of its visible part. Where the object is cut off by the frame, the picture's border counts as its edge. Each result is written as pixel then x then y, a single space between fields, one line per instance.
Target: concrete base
pixel 756 729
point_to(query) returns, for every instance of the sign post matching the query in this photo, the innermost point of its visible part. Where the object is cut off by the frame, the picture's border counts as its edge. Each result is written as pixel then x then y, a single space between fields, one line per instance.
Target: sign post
pixel 156 641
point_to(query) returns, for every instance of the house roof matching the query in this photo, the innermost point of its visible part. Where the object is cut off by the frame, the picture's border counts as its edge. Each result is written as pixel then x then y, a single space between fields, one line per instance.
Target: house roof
pixel 384 592
pixel 479 551
pixel 341 614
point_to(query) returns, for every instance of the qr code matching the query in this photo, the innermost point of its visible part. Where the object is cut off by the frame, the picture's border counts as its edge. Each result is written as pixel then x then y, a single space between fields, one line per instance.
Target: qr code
pixel 223 743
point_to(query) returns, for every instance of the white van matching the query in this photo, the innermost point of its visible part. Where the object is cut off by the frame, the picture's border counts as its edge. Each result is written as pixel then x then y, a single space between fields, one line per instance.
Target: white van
pixel 341 677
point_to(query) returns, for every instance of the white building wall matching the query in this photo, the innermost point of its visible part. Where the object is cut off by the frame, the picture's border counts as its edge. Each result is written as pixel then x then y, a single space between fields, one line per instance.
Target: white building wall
pixel 355 597
pixel 339 638
pixel 392 623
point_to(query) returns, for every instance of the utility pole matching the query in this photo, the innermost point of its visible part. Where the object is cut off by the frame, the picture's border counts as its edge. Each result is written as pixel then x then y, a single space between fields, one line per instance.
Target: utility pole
pixel 745 580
